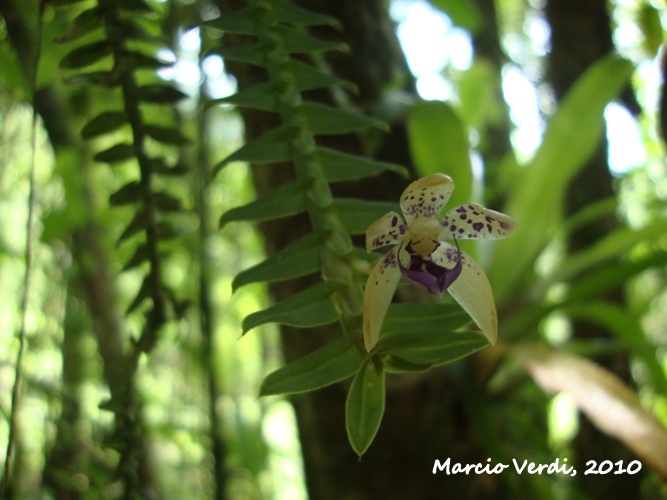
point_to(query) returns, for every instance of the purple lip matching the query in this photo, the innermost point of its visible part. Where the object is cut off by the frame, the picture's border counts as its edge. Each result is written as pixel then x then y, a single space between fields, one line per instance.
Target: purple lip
pixel 424 272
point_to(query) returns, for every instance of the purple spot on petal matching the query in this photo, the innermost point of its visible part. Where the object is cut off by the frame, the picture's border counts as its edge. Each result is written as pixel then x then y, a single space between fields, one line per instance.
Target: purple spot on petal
pixel 488 226
pixel 478 226
pixel 452 228
pixel 394 221
pixel 463 216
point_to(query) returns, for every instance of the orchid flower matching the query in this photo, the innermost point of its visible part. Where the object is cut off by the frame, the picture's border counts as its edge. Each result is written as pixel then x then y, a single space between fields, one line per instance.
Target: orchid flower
pixel 423 258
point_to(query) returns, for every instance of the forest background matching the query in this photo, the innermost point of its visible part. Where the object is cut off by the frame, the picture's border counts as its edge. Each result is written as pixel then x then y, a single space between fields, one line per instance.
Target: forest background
pixel 126 195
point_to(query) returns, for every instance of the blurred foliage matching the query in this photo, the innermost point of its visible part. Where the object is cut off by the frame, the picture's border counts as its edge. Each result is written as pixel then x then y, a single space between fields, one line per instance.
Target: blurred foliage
pixel 135 379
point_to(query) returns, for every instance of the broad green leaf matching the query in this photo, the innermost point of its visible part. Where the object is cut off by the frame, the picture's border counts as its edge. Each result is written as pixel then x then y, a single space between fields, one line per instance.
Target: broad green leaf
pixel 331 363
pixel 86 55
pixel 109 121
pixel 364 407
pixel 571 137
pixel 140 255
pixel 326 120
pixel 262 96
pixel 286 12
pixel 437 347
pixel 165 135
pixel 166 202
pixel 272 147
pixel 128 194
pixel 439 144
pixel 357 215
pixel 115 154
pixel 252 53
pixel 431 318
pixel 160 94
pixel 308 308
pixel 307 77
pixel 288 199
pixel 627 328
pixel 397 364
pixel 296 41
pixel 478 93
pixel 610 405
pixel 86 22
pixel 339 166
pixel 296 259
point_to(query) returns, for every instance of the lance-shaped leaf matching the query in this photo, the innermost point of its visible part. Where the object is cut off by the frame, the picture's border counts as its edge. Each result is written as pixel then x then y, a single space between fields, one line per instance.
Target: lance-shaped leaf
pixel 139 60
pixel 142 294
pixel 160 94
pixel 432 318
pixel 296 41
pixel 335 361
pixel 357 215
pixel 252 53
pixel 296 259
pixel 288 199
pixel 610 404
pixel 436 347
pixel 166 202
pixel 138 224
pixel 165 135
pixel 106 122
pixel 311 307
pixel 129 193
pixel 286 12
pixel 115 154
pixel 86 22
pixel 339 166
pixel 141 254
pixel 396 364
pixel 326 120
pixel 307 77
pixel 272 147
pixel 364 407
pixel 261 96
pixel 242 22
pixel 86 55
pixel 102 78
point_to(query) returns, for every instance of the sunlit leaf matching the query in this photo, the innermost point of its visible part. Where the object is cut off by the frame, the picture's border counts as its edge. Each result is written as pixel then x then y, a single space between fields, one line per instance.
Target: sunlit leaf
pixel 335 361
pixel 611 405
pixel 311 307
pixel 364 407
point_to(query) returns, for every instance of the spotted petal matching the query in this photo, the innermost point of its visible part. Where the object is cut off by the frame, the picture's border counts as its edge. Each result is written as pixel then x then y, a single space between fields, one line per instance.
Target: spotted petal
pixel 379 291
pixel 472 221
pixel 384 231
pixel 426 197
pixel 472 290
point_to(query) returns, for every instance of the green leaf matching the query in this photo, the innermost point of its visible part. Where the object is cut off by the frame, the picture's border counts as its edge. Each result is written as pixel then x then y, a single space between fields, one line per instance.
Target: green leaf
pixel 327 120
pixel 463 13
pixel 102 78
pixel 439 144
pixel 86 22
pixel 86 55
pixel 432 318
pixel 571 137
pixel 288 199
pixel 142 294
pixel 364 407
pixel 272 147
pixel 437 347
pixel 252 53
pixel 335 361
pixel 115 154
pixel 308 308
pixel 296 41
pixel 287 12
pixel 128 194
pixel 106 122
pixel 138 60
pixel 137 225
pixel 242 22
pixel 299 258
pixel 339 166
pixel 357 215
pixel 166 135
pixel 307 77
pixel 261 96
pixel 397 364
pixel 166 202
pixel 159 166
pixel 135 6
pixel 140 255
pixel 160 94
